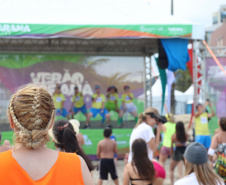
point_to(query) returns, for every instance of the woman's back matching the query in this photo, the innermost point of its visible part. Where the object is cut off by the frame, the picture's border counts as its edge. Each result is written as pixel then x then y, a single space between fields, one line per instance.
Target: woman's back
pixel 31 114
pixel 134 177
pixel 65 170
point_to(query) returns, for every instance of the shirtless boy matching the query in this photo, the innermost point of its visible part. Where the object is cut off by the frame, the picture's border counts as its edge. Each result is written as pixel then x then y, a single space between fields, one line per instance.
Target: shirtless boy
pixel 105 152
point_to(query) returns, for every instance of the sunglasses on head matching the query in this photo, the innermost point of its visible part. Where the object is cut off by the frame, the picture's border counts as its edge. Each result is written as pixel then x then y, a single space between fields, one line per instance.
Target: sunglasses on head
pixel 151 114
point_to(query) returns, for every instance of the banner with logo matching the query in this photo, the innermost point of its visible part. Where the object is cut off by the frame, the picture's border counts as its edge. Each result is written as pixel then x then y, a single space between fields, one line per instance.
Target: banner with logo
pixel 69 70
pixel 92 137
pixel 96 31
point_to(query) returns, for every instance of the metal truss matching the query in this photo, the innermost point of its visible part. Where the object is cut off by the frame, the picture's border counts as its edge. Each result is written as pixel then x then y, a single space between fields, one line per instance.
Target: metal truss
pixel 131 47
pixel 147 81
pixel 199 72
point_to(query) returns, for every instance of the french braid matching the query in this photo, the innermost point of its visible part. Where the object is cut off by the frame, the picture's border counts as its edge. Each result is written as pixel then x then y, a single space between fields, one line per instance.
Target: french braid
pixel 32 112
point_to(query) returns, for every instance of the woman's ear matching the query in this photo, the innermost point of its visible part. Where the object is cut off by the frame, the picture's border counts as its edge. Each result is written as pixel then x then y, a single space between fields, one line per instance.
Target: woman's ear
pixel 11 122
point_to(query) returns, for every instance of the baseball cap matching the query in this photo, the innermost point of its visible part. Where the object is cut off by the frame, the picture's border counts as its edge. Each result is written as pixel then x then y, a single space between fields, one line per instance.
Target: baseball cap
pixel 126 87
pixel 76 87
pixel 97 87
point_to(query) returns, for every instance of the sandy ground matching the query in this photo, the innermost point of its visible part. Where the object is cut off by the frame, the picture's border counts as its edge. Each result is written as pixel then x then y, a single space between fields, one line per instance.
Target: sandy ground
pixel 120 167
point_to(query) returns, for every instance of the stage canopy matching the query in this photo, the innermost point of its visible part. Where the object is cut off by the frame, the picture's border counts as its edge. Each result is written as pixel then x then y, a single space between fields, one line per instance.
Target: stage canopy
pixel 91 19
pixel 100 27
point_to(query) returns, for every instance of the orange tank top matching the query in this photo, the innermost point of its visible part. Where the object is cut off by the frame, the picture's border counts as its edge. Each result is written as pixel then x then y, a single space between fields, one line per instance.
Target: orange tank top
pixel 66 170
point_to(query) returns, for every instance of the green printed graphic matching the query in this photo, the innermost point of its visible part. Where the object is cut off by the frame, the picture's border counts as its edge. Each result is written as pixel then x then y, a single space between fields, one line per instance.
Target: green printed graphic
pixel 50 29
pixel 91 137
pixel 19 61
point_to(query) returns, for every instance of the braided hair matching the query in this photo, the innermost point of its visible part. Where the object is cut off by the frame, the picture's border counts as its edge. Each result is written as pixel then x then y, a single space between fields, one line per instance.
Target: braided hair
pixel 32 112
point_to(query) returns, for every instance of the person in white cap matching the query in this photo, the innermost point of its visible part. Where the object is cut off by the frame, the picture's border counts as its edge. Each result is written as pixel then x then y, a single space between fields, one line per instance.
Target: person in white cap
pixel 64 134
pixel 76 124
pixel 197 168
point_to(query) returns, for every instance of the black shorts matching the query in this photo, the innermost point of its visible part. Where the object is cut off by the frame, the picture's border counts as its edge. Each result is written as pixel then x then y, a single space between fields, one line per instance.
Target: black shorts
pixel 178 154
pixel 108 166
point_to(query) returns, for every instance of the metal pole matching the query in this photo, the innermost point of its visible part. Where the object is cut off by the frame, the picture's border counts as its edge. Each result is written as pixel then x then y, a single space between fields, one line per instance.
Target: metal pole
pixel 171 7
pixel 195 75
pixel 145 86
pixel 150 82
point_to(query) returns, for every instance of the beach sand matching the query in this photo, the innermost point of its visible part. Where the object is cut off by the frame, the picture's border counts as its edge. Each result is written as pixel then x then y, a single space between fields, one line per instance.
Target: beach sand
pixel 120 166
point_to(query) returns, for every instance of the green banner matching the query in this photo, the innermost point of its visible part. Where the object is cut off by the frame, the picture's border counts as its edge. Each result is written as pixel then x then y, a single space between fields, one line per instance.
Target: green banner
pixel 40 30
pixel 91 137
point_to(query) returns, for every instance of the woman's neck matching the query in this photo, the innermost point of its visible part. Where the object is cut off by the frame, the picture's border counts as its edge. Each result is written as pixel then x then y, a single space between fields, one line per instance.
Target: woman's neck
pixel 21 147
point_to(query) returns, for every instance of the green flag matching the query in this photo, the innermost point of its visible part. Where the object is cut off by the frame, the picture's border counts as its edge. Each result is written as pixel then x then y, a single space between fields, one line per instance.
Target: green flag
pixel 163 78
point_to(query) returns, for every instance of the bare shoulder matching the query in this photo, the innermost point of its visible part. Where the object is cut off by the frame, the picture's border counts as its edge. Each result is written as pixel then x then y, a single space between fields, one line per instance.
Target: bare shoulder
pixel 128 166
pixel 173 137
pixel 217 131
pixel 113 141
pixel 100 143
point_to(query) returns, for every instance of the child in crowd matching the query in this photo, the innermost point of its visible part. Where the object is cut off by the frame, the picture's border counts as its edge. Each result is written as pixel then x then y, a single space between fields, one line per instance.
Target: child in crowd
pixel 127 105
pixel 78 103
pixel 58 100
pixel 178 140
pixel 105 152
pixel 98 107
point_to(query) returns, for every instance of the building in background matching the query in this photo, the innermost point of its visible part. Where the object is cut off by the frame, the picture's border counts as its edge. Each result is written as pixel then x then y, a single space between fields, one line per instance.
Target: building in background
pixel 216 34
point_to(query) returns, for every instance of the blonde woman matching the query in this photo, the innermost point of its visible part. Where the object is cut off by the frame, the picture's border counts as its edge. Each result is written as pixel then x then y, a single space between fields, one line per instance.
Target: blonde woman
pixel 144 130
pixel 197 168
pixel 31 114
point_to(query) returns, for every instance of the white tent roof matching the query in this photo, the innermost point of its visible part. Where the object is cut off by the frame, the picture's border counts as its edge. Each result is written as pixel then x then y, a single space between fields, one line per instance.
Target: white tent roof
pixel 89 12
pixel 157 92
pixel 189 91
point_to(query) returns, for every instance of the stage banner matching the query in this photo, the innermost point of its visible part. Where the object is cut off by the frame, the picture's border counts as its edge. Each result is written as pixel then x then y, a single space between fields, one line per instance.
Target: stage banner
pixel 70 70
pixel 92 137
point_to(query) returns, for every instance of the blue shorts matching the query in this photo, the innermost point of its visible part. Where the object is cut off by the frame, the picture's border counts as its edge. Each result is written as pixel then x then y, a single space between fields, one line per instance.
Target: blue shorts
pixel 98 111
pixel 82 109
pixel 63 113
pixel 205 140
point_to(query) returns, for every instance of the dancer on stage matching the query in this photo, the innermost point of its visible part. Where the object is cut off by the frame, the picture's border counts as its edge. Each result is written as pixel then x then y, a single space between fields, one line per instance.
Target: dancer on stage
pixel 59 99
pixel 127 105
pixel 112 99
pixel 78 104
pixel 98 107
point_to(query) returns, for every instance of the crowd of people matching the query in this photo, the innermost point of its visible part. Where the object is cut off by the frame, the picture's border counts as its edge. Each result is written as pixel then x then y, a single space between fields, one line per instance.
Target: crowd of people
pixel 31 115
pixel 100 106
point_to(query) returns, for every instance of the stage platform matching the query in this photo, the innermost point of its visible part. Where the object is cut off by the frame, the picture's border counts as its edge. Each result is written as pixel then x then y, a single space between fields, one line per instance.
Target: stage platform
pixel 93 125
